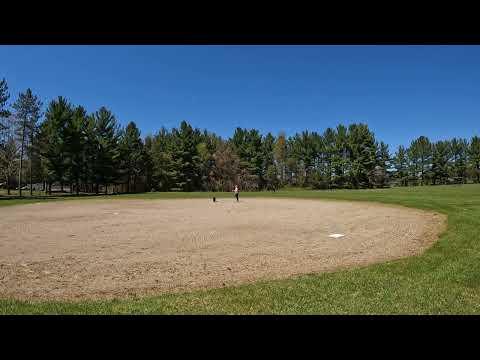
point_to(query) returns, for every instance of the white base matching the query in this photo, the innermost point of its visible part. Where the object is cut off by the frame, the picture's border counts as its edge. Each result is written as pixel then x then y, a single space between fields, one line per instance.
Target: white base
pixel 336 235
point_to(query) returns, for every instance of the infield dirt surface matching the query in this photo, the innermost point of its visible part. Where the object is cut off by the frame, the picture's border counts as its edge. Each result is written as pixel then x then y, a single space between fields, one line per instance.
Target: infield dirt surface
pixel 97 249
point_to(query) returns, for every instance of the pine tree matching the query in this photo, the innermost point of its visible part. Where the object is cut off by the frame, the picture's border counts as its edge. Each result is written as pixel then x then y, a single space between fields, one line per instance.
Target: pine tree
pixel 382 166
pixel 186 158
pixel 362 151
pixel 4 96
pixel 8 147
pixel 36 167
pixel 440 162
pixel 474 157
pixel 303 151
pixel 400 163
pixel 340 157
pixel 206 149
pixel 267 156
pixel 280 155
pixel 8 157
pixel 459 151
pixel 132 154
pixel 54 147
pixel 90 154
pixel 271 178
pixel 248 146
pixel 326 145
pixel 291 167
pixel 420 152
pixel 75 146
pixel 106 164
pixel 164 167
pixel 148 162
pixel 27 113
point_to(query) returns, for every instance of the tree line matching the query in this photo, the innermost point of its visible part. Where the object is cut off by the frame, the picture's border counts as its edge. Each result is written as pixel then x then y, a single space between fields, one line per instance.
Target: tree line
pixel 63 145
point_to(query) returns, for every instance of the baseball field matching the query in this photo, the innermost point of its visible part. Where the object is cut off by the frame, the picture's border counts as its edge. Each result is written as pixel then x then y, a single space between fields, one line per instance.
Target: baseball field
pixel 384 251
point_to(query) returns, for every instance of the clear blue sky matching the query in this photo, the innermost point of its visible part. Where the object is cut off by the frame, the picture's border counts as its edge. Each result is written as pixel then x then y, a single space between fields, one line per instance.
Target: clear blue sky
pixel 401 92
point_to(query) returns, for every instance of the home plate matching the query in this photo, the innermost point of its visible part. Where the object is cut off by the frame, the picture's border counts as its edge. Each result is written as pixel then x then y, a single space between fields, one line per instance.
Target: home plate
pixel 115 213
pixel 336 235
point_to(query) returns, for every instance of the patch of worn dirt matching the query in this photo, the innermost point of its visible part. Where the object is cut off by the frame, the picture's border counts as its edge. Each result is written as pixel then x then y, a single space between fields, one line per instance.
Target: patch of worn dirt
pixel 79 250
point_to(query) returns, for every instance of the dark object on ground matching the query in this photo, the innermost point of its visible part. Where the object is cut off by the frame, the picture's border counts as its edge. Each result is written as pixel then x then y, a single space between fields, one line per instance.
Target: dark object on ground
pixel 214 199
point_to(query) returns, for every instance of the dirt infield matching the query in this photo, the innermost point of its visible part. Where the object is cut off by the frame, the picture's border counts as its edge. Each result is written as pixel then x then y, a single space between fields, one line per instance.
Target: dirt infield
pixel 113 248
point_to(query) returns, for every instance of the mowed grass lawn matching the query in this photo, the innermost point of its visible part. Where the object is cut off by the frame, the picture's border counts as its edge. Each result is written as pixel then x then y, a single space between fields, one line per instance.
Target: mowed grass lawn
pixel 444 280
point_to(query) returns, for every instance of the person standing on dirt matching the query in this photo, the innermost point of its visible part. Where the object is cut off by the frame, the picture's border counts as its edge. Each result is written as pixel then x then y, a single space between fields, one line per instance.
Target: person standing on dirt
pixel 235 191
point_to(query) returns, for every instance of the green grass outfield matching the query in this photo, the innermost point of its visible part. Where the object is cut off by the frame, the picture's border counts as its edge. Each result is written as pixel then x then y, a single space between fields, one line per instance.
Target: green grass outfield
pixel 444 280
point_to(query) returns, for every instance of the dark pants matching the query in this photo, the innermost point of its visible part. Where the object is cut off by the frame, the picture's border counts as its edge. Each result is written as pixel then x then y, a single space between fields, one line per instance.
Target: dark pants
pixel 236 195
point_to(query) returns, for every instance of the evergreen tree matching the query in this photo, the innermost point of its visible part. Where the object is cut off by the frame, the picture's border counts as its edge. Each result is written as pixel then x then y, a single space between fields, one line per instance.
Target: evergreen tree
pixel 4 96
pixel 248 146
pixel 148 162
pixel 8 157
pixel 474 157
pixel 280 155
pixel 27 113
pixel 267 156
pixel 400 163
pixel 459 152
pixel 420 152
pixel 54 148
pixel 90 154
pixel 362 151
pixel 8 147
pixel 35 159
pixel 132 155
pixel 382 166
pixel 327 145
pixel 106 165
pixel 271 178
pixel 440 162
pixel 303 149
pixel 205 157
pixel 340 157
pixel 291 167
pixel 207 148
pixel 186 157
pixel 75 141
pixel 164 167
